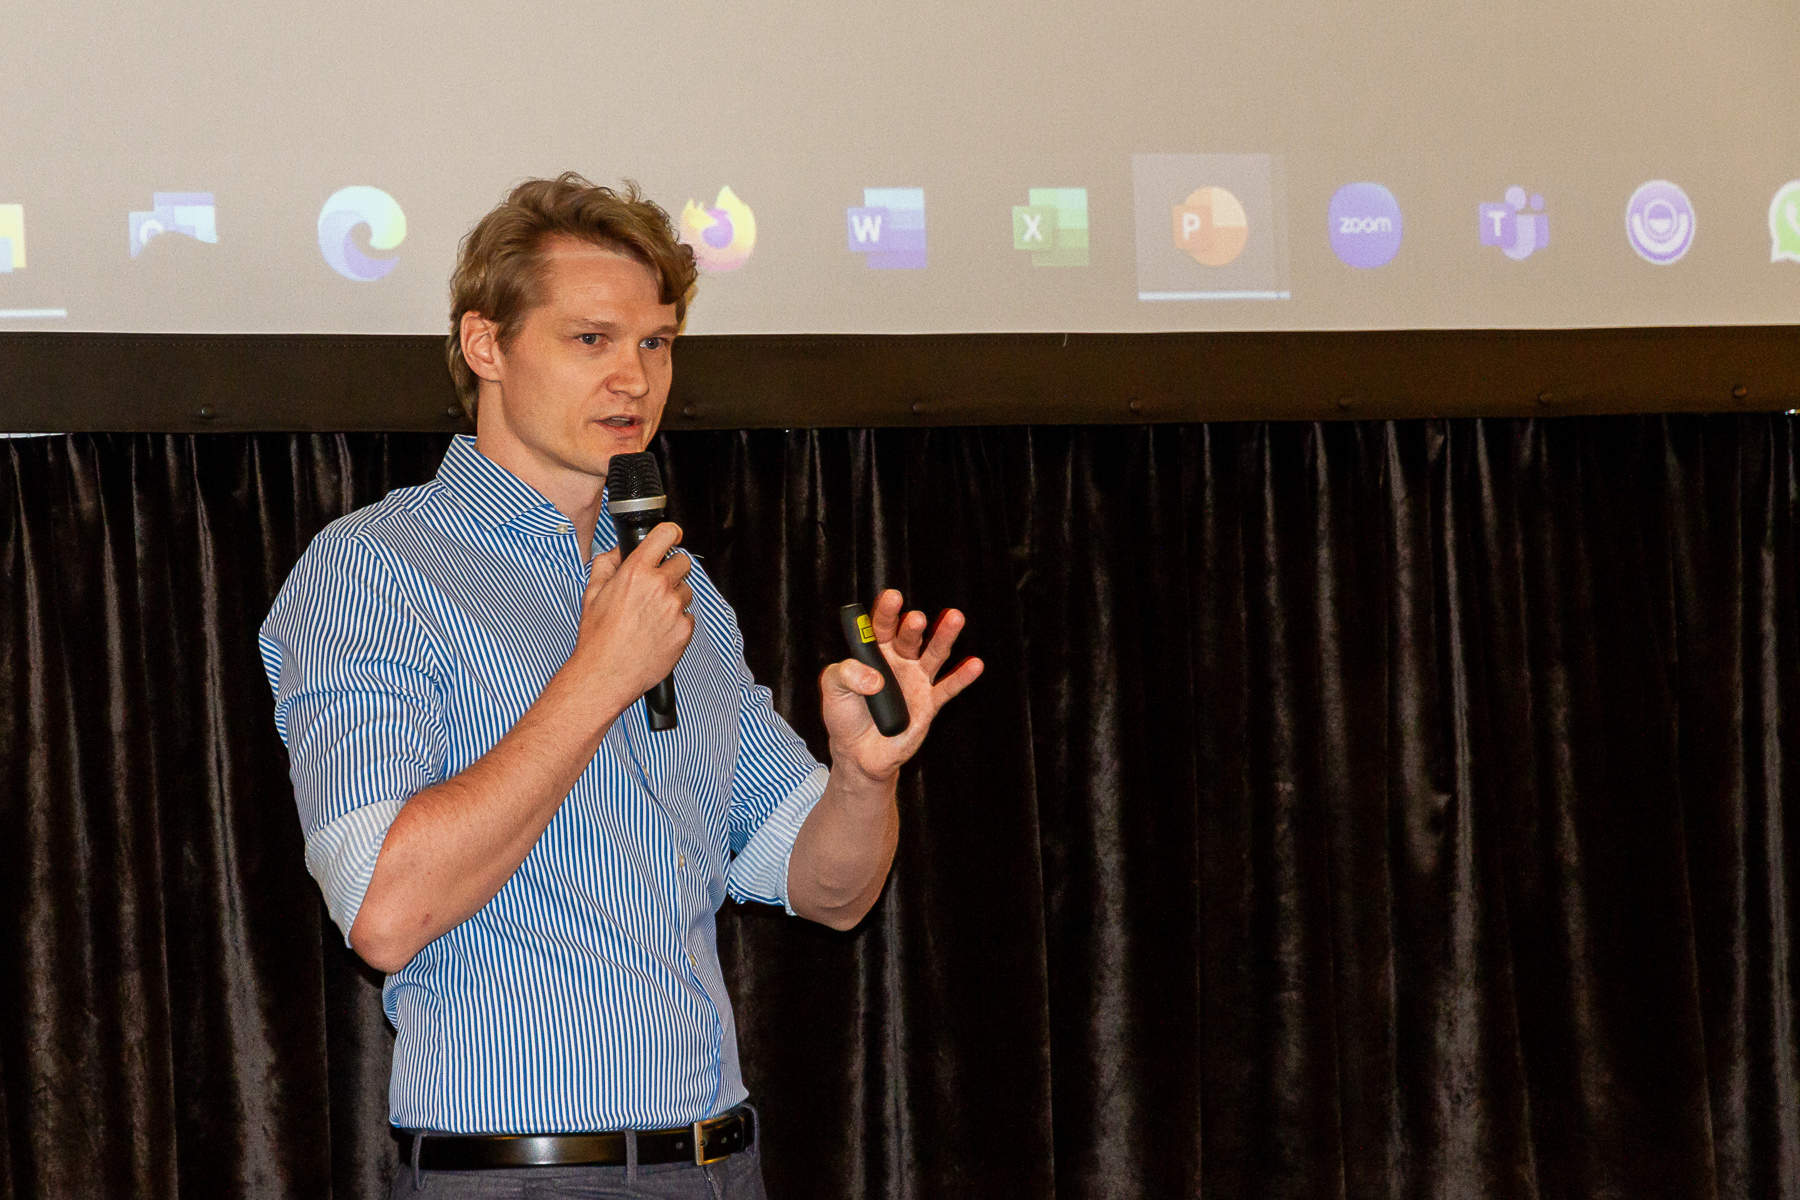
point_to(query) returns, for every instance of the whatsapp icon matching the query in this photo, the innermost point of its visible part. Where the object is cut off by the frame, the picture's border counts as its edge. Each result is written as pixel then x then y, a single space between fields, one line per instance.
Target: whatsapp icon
pixel 1784 223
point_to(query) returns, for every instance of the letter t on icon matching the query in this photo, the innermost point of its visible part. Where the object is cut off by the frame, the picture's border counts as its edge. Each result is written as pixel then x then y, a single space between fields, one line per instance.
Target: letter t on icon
pixel 1494 221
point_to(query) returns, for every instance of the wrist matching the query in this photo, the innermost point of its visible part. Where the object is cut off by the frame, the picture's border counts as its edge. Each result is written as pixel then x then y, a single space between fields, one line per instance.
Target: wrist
pixel 855 781
pixel 592 699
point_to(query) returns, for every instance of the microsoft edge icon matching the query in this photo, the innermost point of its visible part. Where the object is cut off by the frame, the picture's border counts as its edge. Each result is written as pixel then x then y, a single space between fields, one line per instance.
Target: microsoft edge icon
pixel 348 208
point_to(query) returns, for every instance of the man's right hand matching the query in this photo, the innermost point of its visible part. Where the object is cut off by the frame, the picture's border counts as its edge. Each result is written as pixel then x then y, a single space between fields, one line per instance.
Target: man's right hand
pixel 455 844
pixel 634 620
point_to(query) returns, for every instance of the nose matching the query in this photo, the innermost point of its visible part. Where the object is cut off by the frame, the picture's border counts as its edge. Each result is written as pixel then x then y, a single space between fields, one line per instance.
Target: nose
pixel 629 376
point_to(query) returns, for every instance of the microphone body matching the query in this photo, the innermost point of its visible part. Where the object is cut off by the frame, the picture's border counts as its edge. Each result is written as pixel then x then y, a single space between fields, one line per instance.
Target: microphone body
pixel 636 503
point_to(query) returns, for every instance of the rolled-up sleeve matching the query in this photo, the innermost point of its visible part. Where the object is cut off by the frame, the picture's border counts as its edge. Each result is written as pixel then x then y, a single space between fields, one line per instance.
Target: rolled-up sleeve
pixel 760 870
pixel 774 787
pixel 354 670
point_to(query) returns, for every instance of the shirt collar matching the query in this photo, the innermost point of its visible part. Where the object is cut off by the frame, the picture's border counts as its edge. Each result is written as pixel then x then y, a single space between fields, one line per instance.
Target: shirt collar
pixel 495 495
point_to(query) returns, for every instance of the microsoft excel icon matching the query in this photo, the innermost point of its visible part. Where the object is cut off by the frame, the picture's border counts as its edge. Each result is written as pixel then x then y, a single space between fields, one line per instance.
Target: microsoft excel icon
pixel 1053 227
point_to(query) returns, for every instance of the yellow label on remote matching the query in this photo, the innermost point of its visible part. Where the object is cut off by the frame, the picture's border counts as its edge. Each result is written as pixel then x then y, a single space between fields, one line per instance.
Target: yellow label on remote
pixel 866 628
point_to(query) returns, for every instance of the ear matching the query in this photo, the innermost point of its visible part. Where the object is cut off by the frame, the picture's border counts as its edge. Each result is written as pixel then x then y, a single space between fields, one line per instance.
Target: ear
pixel 481 347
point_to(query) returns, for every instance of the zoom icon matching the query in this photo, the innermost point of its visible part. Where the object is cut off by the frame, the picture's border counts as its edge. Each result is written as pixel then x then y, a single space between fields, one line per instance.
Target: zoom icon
pixel 349 208
pixel 1659 222
pixel 1365 226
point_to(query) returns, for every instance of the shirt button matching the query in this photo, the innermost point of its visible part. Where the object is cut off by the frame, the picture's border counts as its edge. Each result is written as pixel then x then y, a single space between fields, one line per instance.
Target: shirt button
pixel 692 961
pixel 681 860
pixel 565 528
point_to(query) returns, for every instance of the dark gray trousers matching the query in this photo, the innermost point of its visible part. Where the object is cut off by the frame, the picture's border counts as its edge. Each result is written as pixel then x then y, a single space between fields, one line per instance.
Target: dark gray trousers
pixel 738 1177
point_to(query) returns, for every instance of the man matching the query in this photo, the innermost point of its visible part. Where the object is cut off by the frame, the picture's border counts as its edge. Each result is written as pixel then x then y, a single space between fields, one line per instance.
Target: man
pixel 458 673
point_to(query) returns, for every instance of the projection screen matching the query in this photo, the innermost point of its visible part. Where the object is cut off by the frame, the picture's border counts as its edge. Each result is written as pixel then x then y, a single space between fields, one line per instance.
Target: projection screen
pixel 920 167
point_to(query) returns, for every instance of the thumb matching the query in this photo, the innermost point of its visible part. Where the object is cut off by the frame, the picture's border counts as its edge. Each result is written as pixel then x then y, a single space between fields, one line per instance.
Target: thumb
pixel 851 678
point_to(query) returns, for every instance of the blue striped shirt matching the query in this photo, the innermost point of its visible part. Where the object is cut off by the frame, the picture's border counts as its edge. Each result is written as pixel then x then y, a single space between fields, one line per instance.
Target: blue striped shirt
pixel 587 993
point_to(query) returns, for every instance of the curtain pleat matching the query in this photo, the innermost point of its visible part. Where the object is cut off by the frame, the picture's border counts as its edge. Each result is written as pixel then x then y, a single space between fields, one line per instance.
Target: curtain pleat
pixel 1353 810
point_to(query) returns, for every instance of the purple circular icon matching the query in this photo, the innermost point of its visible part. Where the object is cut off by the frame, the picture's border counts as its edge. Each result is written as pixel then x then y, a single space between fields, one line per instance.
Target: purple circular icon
pixel 1365 225
pixel 1659 222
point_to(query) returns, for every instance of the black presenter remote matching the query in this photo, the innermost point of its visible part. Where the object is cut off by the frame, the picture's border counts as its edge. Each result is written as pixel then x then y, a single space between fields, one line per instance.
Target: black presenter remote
pixel 887 706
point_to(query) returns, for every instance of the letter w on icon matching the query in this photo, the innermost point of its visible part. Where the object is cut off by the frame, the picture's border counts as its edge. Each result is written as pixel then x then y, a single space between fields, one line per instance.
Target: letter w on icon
pixel 865 227
pixel 888 229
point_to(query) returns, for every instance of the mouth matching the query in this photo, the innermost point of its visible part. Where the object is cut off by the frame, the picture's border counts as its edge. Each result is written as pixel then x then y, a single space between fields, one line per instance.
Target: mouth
pixel 622 421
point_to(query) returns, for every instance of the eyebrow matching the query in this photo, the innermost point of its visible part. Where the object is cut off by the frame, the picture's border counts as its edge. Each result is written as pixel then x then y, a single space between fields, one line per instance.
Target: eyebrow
pixel 612 327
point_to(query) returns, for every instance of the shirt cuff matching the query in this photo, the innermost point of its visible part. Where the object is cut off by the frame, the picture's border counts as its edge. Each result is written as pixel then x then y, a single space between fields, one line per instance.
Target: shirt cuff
pixel 760 871
pixel 341 857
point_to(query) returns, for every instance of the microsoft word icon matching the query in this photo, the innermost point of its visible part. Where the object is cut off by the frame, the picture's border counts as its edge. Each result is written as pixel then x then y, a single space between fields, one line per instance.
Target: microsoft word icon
pixel 889 228
pixel 1054 227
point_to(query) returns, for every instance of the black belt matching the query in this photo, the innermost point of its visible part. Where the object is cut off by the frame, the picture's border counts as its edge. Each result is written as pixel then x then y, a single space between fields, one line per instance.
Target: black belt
pixel 702 1142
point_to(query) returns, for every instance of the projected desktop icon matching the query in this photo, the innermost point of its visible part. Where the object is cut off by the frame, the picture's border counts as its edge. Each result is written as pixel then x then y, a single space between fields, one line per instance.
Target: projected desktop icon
pixel 1518 225
pixel 1053 226
pixel 12 258
pixel 722 236
pixel 1364 223
pixel 1784 224
pixel 12 238
pixel 1659 222
pixel 190 214
pixel 1211 226
pixel 889 228
pixel 344 212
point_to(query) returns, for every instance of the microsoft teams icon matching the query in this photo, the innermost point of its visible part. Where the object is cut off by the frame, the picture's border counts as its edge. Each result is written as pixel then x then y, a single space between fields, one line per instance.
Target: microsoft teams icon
pixel 889 228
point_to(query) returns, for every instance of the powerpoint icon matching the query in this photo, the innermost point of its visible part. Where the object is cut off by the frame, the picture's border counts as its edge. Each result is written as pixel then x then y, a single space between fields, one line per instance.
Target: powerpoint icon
pixel 1211 225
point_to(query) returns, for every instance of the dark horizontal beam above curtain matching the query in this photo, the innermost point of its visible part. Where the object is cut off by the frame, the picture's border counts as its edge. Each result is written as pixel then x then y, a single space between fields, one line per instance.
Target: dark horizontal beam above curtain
pixel 194 382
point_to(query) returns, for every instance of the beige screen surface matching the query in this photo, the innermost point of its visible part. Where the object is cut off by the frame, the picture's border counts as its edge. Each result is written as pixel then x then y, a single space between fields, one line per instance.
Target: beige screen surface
pixel 918 167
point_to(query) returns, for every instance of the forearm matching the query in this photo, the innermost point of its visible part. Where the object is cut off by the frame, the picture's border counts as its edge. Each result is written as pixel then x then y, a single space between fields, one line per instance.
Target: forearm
pixel 455 844
pixel 845 848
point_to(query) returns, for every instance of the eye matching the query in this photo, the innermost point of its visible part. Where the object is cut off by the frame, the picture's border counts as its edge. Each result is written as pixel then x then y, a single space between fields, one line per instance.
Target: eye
pixel 590 339
pixel 655 343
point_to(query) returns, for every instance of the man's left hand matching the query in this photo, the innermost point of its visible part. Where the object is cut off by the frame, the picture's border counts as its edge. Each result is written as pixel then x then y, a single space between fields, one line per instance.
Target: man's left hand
pixel 915 658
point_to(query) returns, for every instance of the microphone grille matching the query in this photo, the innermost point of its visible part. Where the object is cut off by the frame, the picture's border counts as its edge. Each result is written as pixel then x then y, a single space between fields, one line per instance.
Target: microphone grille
pixel 633 477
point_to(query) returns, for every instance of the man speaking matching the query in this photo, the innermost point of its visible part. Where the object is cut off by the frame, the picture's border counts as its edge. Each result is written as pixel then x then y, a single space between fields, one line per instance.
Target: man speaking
pixel 458 674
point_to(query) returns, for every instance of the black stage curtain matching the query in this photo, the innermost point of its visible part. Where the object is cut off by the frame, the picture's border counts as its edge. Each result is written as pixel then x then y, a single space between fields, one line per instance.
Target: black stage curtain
pixel 1357 810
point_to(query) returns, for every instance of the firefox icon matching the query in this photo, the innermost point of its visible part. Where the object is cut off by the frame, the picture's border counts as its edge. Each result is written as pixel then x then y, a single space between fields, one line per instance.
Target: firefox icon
pixel 722 236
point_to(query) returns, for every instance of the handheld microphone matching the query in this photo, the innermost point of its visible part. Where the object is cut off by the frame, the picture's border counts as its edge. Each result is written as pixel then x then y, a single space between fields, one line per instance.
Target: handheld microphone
pixel 888 706
pixel 634 497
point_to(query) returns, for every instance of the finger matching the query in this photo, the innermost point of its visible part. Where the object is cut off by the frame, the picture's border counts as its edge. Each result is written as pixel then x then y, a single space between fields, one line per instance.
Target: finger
pixel 657 544
pixel 850 678
pixel 685 594
pixel 911 635
pixel 677 567
pixel 886 616
pixel 602 567
pixel 950 686
pixel 950 623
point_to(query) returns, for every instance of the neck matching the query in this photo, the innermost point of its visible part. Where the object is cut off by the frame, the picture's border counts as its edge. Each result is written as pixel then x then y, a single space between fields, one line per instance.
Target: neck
pixel 573 493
